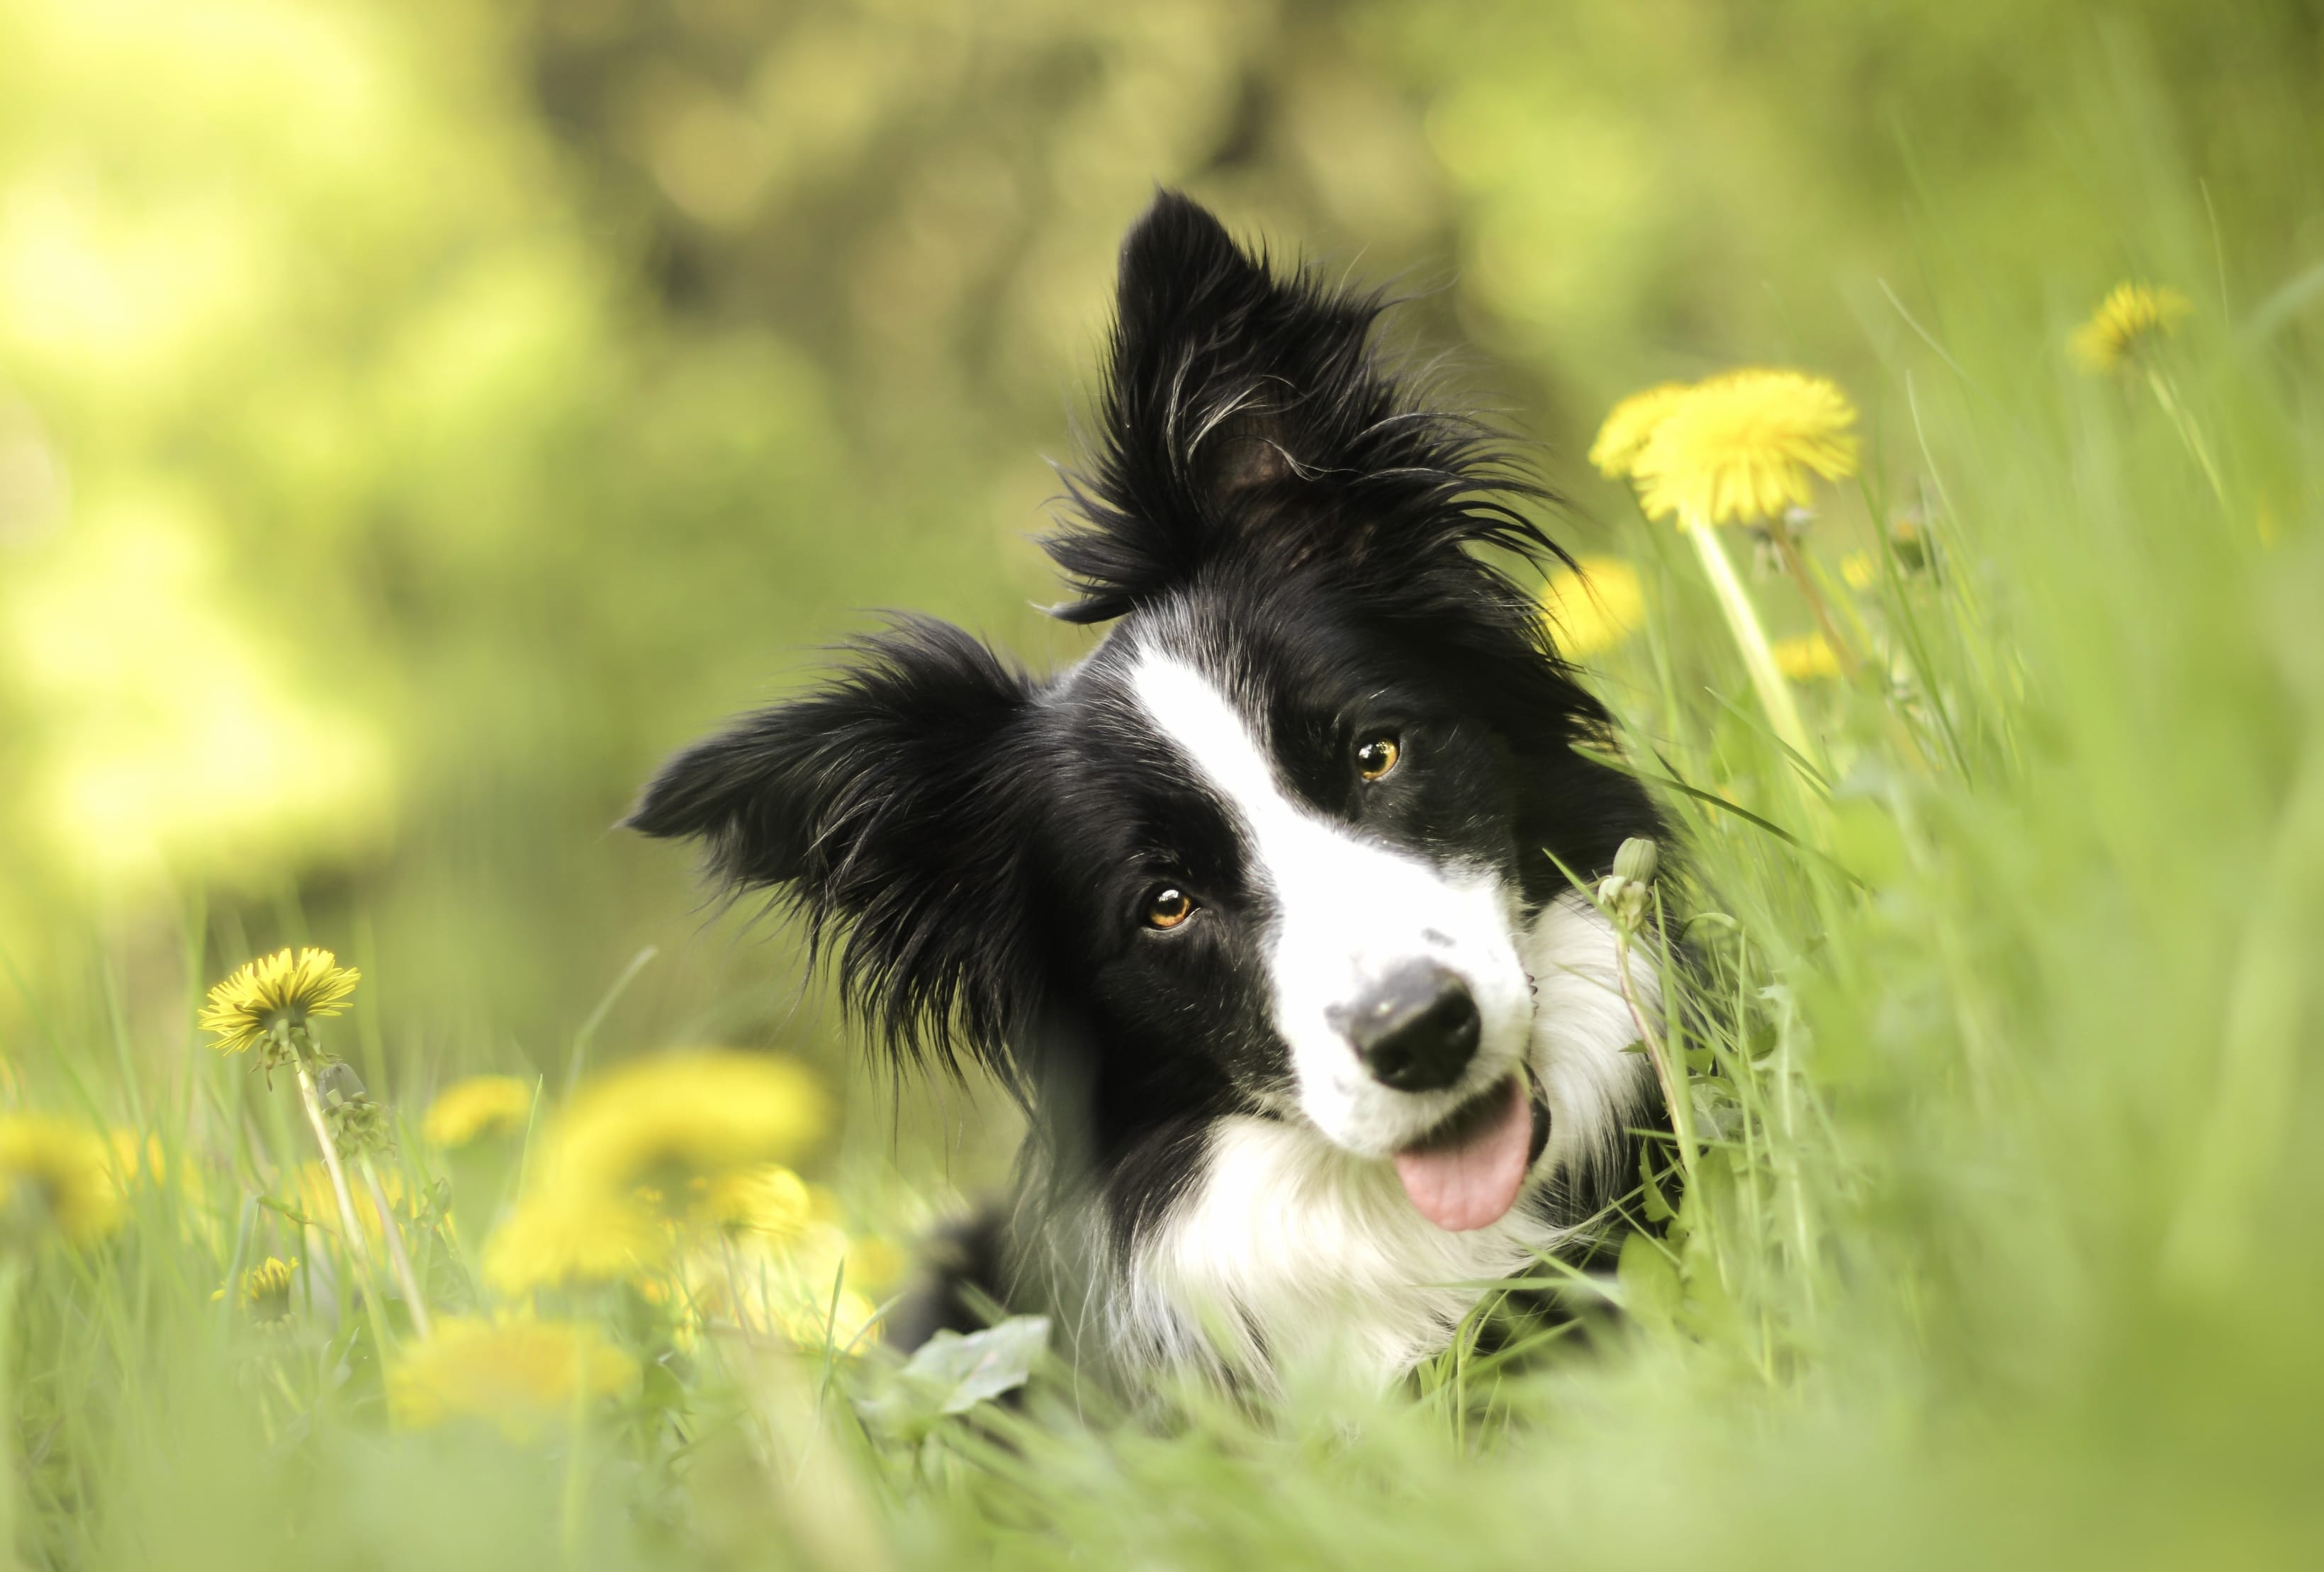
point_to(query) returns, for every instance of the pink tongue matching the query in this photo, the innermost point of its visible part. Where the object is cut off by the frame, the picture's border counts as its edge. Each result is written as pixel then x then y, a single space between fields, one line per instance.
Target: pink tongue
pixel 1475 1181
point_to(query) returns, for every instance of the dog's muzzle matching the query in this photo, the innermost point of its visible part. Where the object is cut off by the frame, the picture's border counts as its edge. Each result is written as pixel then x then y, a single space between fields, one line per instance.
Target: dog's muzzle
pixel 1417 1030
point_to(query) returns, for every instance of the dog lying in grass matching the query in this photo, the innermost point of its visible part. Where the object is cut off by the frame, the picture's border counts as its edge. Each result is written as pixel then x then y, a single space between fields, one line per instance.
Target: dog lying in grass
pixel 1268 906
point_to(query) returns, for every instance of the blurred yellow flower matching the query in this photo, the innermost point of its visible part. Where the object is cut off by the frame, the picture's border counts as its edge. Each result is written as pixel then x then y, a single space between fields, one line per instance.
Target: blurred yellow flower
pixel 768 1293
pixel 767 1199
pixel 56 1174
pixel 283 988
pixel 875 1264
pixel 2129 318
pixel 266 1292
pixel 478 1106
pixel 661 1121
pixel 558 1237
pixel 645 1154
pixel 1631 423
pixel 136 1156
pixel 141 1164
pixel 1806 657
pixel 315 1199
pixel 1593 609
pixel 522 1376
pixel 1859 569
pixel 1745 446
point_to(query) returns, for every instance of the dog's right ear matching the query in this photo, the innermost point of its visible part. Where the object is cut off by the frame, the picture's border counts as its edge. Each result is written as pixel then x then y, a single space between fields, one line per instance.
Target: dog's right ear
pixel 1247 413
pixel 886 808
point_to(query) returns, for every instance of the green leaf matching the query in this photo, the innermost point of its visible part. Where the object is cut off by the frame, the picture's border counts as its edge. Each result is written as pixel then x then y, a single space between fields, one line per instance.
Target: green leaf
pixel 951 1374
pixel 1649 1280
pixel 1650 1194
pixel 981 1365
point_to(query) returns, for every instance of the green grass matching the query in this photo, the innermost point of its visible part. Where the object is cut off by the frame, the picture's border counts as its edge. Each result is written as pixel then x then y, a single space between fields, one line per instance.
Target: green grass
pixel 2003 1244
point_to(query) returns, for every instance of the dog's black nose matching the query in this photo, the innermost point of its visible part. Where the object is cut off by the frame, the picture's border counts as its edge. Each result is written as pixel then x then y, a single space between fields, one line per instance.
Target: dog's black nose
pixel 1417 1030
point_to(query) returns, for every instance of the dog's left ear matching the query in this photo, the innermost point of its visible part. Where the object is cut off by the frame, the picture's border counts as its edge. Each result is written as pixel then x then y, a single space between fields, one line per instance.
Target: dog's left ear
pixel 1247 412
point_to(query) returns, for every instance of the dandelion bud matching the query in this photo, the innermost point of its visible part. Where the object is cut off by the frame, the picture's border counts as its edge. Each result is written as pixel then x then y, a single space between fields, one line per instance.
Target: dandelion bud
pixel 1636 858
pixel 1623 893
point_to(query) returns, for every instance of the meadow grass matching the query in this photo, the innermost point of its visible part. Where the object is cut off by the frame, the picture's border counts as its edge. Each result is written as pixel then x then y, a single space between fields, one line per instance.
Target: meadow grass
pixel 2001 1243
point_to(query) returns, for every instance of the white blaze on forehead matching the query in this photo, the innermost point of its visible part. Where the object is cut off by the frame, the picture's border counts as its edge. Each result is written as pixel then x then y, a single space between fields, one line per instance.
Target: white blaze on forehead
pixel 1211 733
pixel 1346 911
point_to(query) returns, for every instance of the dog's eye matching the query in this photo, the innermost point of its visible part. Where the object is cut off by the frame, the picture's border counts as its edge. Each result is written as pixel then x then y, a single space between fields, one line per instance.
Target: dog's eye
pixel 1168 907
pixel 1376 756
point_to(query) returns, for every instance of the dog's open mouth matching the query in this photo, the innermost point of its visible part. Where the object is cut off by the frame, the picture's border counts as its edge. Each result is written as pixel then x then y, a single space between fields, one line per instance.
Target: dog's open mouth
pixel 1466 1173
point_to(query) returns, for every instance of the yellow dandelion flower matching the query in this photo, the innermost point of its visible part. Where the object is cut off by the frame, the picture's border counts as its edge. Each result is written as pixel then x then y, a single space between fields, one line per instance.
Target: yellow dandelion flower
pixel 556 1237
pixel 522 1376
pixel 768 1198
pixel 664 1120
pixel 1806 657
pixel 1629 425
pixel 281 989
pixel 265 1292
pixel 1747 445
pixel 1596 608
pixel 477 1107
pixel 2132 317
pixel 56 1174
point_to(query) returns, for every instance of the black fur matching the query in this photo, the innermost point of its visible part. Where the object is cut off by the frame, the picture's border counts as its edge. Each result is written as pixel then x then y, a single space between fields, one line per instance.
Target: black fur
pixel 1247 422
pixel 881 806
pixel 1268 502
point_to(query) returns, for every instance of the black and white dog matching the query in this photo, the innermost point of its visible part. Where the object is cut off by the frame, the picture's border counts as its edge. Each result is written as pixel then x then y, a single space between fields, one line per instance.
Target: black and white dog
pixel 1261 904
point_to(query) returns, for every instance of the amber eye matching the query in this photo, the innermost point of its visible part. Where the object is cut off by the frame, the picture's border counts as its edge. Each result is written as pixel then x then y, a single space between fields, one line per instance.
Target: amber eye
pixel 1169 907
pixel 1376 756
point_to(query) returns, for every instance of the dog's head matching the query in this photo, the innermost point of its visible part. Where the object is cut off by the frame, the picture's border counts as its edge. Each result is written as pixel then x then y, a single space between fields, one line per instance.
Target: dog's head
pixel 1275 844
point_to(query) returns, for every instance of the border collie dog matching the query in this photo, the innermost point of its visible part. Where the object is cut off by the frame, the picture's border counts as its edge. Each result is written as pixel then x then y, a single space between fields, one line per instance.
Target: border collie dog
pixel 1267 907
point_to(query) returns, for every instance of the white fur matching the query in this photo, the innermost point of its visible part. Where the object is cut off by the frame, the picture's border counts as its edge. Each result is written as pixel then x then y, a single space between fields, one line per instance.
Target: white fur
pixel 1291 1251
pixel 1346 912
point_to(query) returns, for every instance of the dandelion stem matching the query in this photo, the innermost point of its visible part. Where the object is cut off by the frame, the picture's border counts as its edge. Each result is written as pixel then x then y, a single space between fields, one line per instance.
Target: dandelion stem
pixel 2189 432
pixel 1899 731
pixel 398 1256
pixel 1743 622
pixel 313 1103
pixel 1790 551
pixel 1672 1077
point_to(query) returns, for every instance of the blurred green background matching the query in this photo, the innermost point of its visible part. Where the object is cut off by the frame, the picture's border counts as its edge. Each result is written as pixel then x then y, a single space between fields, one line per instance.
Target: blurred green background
pixel 417 418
